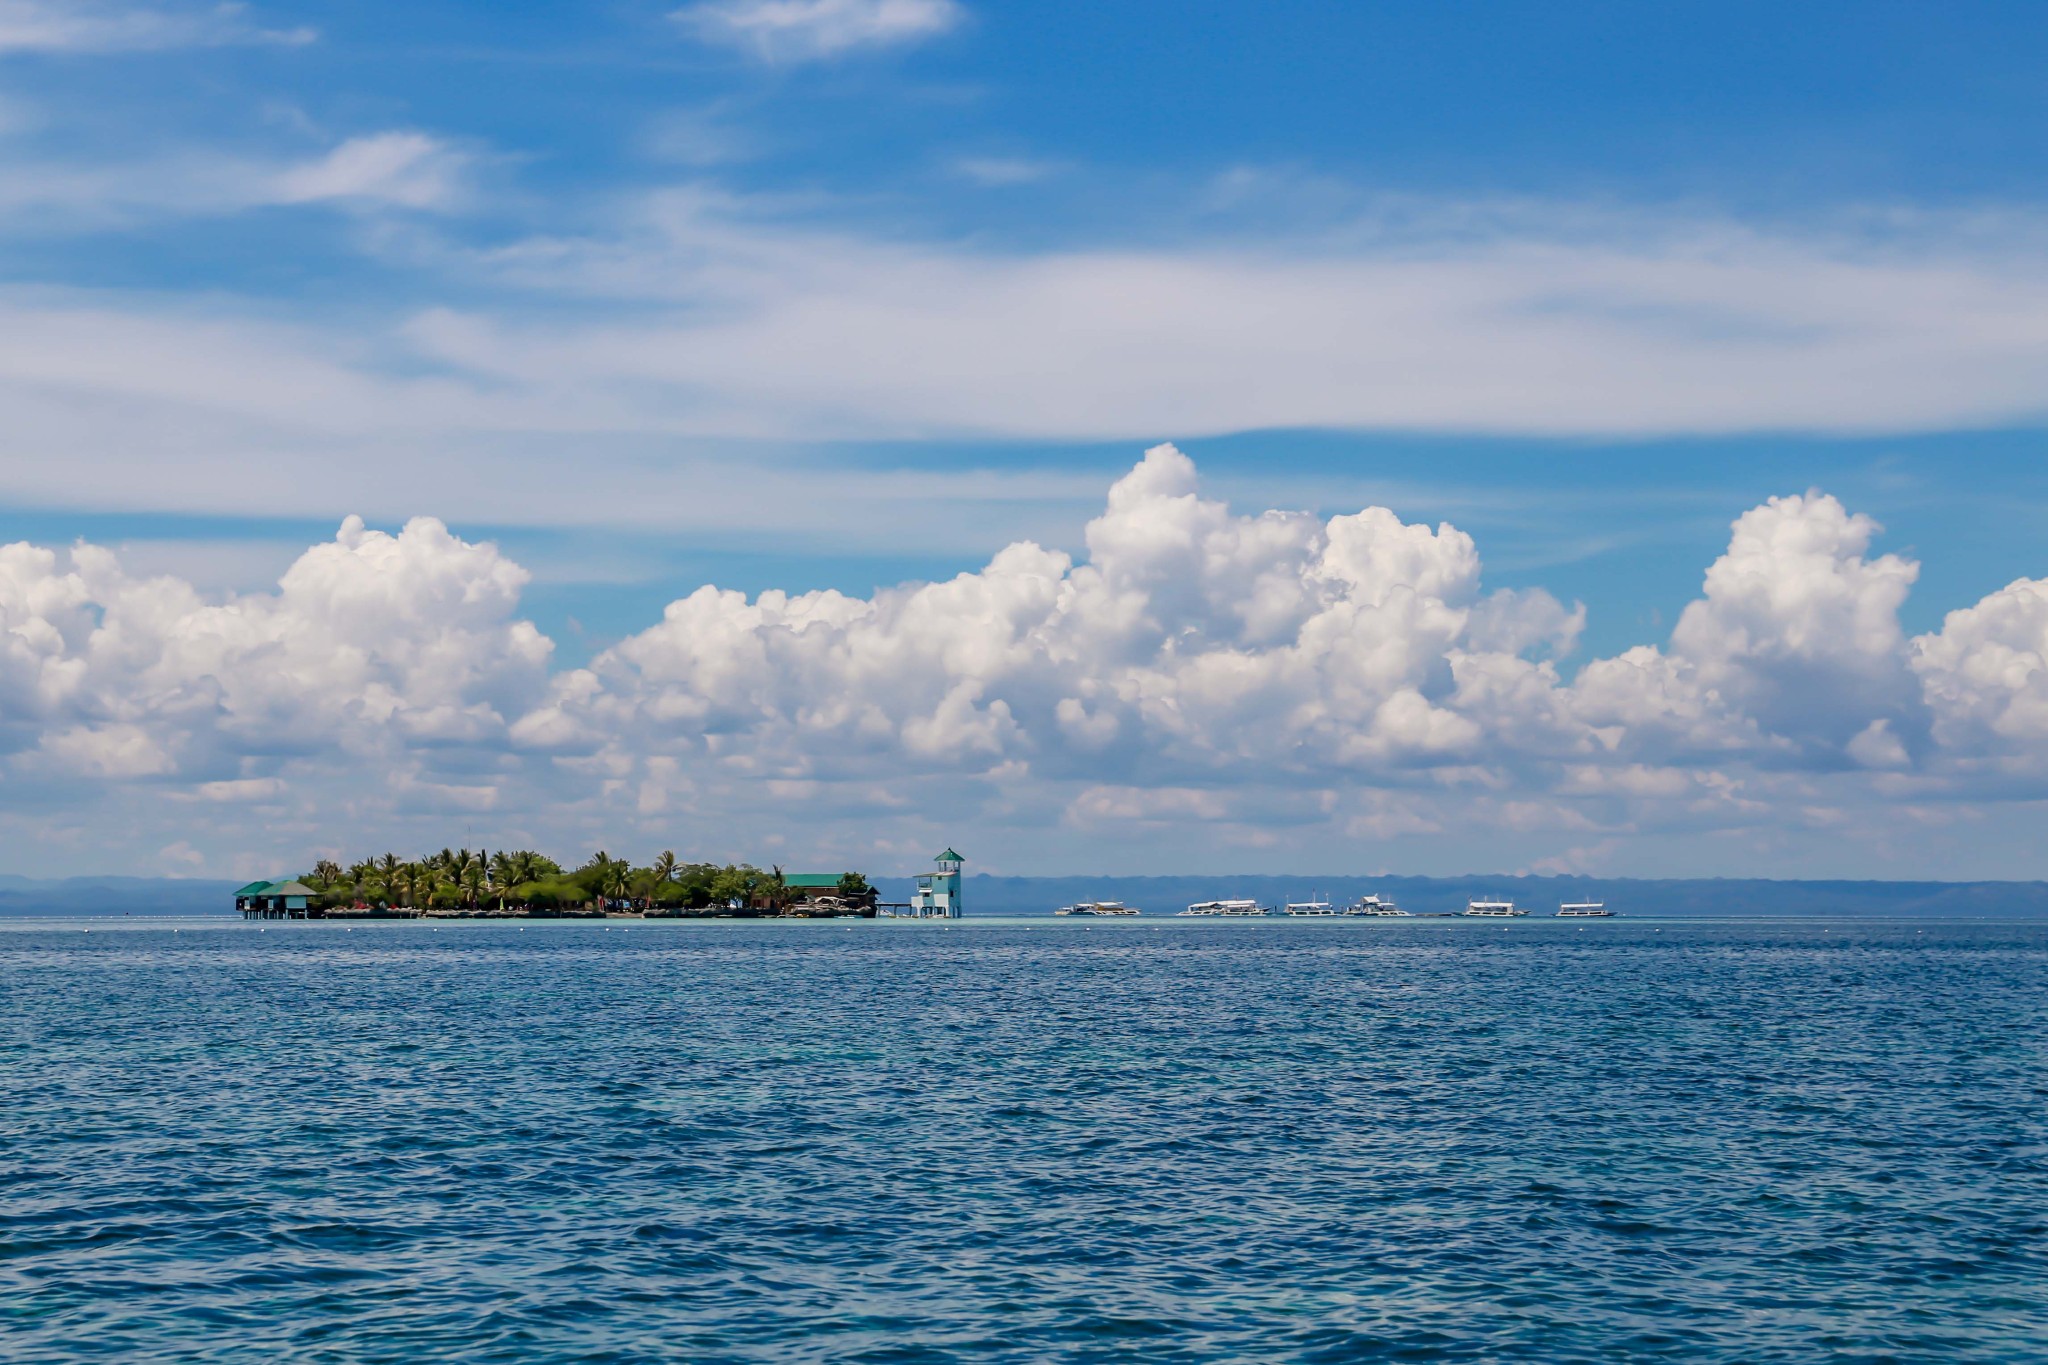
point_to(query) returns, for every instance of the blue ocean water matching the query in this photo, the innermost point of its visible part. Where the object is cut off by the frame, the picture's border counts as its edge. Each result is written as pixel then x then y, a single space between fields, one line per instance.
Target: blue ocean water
pixel 1156 1141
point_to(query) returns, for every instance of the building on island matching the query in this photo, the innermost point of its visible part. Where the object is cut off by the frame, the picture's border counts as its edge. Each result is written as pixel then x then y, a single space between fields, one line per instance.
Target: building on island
pixel 827 890
pixel 938 893
pixel 275 900
pixel 808 886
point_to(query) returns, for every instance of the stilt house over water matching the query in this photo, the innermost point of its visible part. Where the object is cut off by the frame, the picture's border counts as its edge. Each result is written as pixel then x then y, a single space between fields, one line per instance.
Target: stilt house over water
pixel 275 900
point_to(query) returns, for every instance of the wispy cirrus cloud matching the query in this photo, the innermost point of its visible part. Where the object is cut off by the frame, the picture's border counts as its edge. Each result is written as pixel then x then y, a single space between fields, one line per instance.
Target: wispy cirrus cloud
pixel 396 169
pixel 701 137
pixel 404 169
pixel 705 319
pixel 1528 319
pixel 1001 172
pixel 87 26
pixel 786 32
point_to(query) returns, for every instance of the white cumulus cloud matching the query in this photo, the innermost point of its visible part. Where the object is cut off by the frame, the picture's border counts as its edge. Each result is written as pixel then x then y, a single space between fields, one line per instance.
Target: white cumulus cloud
pixel 1794 649
pixel 1192 642
pixel 1986 677
pixel 371 642
pixel 1277 680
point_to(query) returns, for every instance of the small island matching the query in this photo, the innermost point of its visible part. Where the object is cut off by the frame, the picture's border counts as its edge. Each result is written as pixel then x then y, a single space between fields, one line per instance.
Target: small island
pixel 462 884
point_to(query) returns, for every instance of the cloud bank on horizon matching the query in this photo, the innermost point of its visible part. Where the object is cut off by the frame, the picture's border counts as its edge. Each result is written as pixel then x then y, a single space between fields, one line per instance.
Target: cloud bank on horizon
pixel 1287 686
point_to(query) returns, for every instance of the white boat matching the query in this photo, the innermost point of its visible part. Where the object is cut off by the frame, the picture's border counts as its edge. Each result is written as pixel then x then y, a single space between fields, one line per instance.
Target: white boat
pixel 1096 908
pixel 1207 908
pixel 1493 909
pixel 1373 905
pixel 1310 907
pixel 1584 910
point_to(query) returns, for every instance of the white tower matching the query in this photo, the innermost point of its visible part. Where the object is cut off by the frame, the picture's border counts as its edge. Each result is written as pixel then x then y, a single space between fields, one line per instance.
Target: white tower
pixel 938 893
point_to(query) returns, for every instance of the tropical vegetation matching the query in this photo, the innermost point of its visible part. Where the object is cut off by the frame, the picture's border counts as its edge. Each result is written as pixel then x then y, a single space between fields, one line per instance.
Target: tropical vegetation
pixel 522 882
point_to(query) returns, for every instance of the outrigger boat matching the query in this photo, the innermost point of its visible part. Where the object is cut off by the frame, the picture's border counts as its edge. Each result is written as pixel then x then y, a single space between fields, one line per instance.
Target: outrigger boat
pixel 1096 908
pixel 1204 909
pixel 1373 905
pixel 1312 906
pixel 1584 910
pixel 1493 909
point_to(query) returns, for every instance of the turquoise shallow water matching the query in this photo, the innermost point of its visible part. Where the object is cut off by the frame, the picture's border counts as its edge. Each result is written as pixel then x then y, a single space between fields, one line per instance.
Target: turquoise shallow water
pixel 1732 1141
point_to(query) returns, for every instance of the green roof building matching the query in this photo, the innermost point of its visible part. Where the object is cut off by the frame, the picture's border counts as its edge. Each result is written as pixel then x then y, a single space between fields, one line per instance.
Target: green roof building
pixel 808 887
pixel 275 900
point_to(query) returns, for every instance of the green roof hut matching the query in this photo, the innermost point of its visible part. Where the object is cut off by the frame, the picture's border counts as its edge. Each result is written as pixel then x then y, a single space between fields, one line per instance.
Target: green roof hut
pixel 275 900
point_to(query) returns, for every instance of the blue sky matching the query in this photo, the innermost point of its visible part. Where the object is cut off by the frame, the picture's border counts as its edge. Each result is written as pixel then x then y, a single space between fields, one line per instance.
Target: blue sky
pixel 845 294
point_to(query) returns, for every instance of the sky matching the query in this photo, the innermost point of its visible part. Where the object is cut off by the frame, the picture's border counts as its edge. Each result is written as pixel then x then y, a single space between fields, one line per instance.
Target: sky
pixel 1300 437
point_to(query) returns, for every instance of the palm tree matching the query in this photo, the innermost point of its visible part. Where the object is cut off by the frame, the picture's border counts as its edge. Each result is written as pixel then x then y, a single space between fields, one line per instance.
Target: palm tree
pixel 471 880
pixel 327 872
pixel 598 870
pixel 503 874
pixel 615 878
pixel 387 868
pixel 525 866
pixel 777 888
pixel 654 876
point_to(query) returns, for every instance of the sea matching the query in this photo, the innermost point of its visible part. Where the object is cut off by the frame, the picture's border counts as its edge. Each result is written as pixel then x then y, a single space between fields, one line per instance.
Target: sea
pixel 1012 1140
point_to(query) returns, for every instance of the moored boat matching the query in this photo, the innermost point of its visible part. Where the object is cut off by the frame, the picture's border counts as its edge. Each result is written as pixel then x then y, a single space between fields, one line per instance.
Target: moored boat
pixel 1584 910
pixel 1203 909
pixel 1096 908
pixel 1373 905
pixel 1486 909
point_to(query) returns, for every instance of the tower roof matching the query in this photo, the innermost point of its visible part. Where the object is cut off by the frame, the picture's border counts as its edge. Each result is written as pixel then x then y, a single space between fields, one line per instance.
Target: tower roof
pixel 949 856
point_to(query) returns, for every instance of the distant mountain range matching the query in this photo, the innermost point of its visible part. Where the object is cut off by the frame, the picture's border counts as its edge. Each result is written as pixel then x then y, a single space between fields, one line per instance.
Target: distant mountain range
pixel 116 896
pixel 989 895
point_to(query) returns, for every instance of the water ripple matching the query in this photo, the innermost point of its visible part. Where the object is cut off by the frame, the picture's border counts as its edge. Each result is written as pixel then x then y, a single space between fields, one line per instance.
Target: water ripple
pixel 1729 1142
